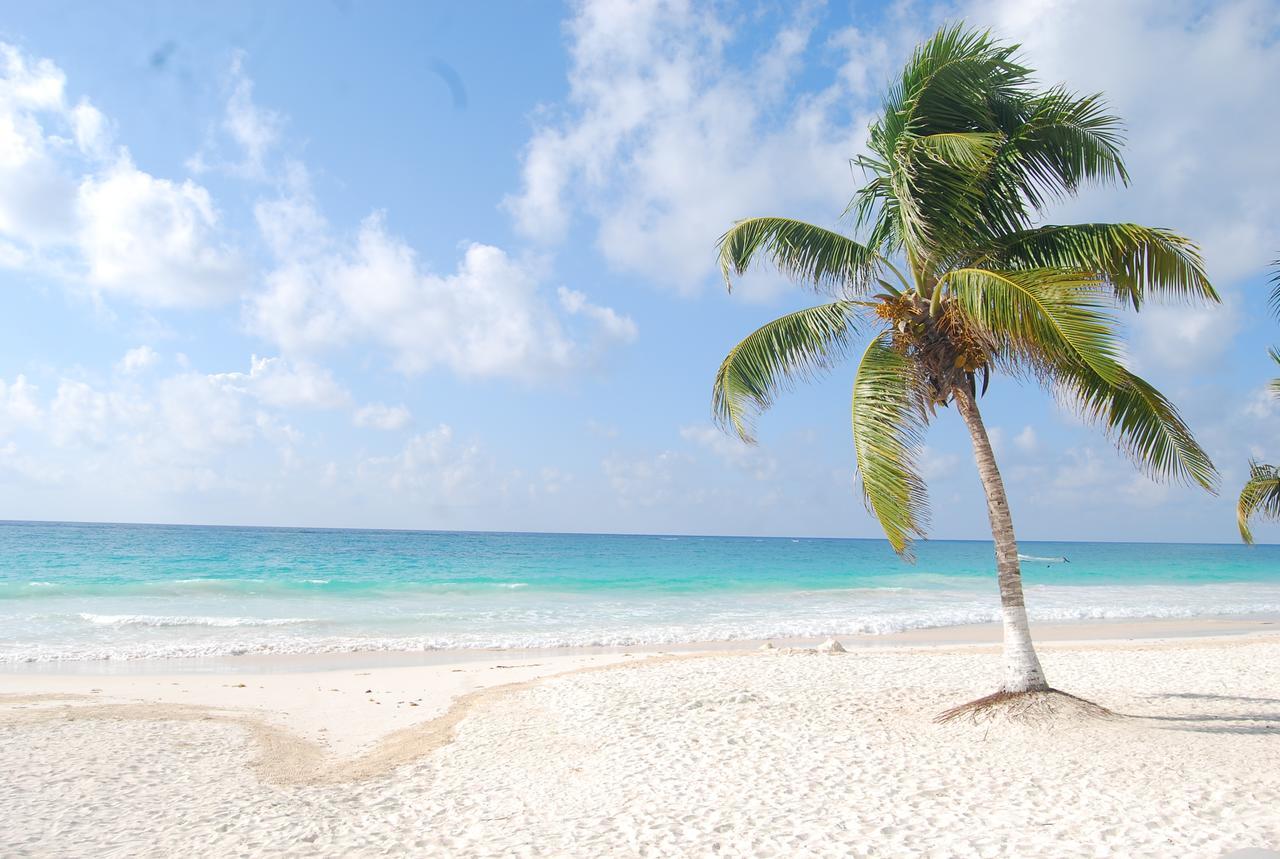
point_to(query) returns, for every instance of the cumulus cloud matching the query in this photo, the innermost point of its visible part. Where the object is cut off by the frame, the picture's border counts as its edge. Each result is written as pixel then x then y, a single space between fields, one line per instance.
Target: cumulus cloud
pixel 487 318
pixel 670 134
pixel 74 204
pixel 153 240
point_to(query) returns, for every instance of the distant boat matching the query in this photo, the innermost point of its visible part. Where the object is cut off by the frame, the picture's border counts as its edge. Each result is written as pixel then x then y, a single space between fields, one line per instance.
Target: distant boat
pixel 1042 560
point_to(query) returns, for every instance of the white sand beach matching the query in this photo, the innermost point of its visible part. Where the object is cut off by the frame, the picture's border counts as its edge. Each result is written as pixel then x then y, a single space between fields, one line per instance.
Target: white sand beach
pixel 741 753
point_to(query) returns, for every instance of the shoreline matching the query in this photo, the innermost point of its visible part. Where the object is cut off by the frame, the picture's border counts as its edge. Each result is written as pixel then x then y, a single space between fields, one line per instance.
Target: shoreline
pixel 962 635
pixel 340 705
pixel 330 709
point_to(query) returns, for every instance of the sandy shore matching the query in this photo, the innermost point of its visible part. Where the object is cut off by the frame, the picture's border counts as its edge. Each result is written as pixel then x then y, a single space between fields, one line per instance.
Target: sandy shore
pixel 742 753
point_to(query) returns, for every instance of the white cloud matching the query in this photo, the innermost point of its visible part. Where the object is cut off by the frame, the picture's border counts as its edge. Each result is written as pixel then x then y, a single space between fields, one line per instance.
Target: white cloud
pixel 36 193
pixel 186 432
pixel 137 359
pixel 668 137
pixel 432 466
pixel 81 414
pixel 73 204
pixel 381 416
pixel 644 482
pixel 1263 404
pixel 255 129
pixel 1026 440
pixel 277 382
pixel 201 413
pixel 154 241
pixel 613 325
pixel 18 405
pixel 251 128
pixel 486 319
pixel 202 435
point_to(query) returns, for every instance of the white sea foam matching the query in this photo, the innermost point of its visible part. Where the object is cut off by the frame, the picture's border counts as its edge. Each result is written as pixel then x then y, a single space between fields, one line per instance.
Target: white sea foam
pixel 196 626
pixel 209 581
pixel 182 620
pixel 288 636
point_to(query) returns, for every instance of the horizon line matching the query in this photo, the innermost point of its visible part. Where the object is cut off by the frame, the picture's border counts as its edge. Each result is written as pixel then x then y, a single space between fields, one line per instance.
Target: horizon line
pixel 497 532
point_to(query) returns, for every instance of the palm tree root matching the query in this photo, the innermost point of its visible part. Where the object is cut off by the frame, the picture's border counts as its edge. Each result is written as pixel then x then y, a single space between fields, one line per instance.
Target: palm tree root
pixel 1037 705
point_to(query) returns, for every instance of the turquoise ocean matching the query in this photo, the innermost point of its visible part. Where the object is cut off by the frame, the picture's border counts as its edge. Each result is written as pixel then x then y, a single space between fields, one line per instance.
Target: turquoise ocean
pixel 97 591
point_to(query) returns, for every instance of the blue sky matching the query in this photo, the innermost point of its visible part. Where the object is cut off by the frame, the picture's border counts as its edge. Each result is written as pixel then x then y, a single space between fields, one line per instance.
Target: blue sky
pixel 452 266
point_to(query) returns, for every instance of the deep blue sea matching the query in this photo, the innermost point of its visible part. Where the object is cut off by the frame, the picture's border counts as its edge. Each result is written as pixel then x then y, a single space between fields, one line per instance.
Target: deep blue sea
pixel 96 591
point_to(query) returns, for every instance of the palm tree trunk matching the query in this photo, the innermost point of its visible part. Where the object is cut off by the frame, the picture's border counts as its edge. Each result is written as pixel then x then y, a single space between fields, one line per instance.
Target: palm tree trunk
pixel 1021 665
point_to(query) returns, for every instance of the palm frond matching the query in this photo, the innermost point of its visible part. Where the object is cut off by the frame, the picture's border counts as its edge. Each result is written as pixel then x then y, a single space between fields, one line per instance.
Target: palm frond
pixel 935 137
pixel 1138 262
pixel 1061 314
pixel 888 418
pixel 1274 385
pixel 970 150
pixel 1065 141
pixel 1142 422
pixel 791 348
pixel 1274 299
pixel 952 77
pixel 809 255
pixel 875 208
pixel 1260 497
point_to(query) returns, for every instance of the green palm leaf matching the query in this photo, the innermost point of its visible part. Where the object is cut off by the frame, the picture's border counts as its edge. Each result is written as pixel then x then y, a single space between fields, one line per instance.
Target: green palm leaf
pixel 941 108
pixel 1275 289
pixel 1136 261
pixel 951 80
pixel 1274 384
pixel 888 417
pixel 970 150
pixel 1260 497
pixel 1062 140
pixel 1061 315
pixel 776 355
pixel 1143 423
pixel 810 255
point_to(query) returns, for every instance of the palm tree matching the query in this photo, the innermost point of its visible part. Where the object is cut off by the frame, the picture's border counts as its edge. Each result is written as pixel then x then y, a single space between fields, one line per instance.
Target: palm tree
pixel 1261 494
pixel 954 281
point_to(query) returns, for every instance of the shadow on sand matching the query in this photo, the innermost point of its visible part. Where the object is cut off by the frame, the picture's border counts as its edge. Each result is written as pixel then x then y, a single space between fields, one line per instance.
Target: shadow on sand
pixel 1254 722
